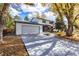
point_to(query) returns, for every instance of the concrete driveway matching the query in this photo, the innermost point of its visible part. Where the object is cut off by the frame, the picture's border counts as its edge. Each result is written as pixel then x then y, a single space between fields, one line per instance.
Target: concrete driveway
pixel 42 45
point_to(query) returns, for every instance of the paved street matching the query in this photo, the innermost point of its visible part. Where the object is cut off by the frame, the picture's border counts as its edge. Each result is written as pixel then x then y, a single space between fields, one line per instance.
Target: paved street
pixel 42 45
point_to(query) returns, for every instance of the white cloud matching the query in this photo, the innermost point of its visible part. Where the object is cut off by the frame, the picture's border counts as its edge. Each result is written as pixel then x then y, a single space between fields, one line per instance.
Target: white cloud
pixel 28 8
pixel 24 7
pixel 30 16
pixel 40 8
pixel 50 15
pixel 37 8
pixel 13 12
pixel 32 9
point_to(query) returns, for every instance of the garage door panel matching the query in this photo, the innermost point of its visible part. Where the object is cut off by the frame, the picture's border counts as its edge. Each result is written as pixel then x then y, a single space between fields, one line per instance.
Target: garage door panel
pixel 30 29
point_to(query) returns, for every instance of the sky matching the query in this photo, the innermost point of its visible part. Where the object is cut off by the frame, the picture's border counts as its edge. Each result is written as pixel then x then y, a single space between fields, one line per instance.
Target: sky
pixel 29 11
pixel 23 10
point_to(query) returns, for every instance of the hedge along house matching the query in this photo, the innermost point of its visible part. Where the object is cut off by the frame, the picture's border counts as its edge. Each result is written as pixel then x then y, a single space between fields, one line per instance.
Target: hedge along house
pixel 33 27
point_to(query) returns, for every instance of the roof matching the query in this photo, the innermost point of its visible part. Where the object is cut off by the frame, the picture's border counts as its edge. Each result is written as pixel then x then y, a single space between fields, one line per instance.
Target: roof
pixel 26 22
pixel 44 19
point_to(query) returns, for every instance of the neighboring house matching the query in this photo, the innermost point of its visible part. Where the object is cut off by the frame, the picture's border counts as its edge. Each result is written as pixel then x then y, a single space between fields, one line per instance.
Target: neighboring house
pixel 26 27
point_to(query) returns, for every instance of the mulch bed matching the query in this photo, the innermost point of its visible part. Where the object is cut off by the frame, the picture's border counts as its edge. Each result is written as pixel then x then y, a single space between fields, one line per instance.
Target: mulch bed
pixel 76 39
pixel 13 46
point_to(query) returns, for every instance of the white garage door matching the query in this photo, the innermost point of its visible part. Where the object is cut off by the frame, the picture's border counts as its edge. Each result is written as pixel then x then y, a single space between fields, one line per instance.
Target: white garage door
pixel 30 29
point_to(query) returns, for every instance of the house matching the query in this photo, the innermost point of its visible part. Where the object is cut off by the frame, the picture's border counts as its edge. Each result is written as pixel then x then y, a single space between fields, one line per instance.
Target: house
pixel 47 25
pixel 31 27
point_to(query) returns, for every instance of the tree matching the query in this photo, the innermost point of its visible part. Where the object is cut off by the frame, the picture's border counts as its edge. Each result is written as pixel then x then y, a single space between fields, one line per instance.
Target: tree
pixel 59 24
pixel 3 15
pixel 16 17
pixel 9 23
pixel 66 9
pixel 76 17
pixel 26 18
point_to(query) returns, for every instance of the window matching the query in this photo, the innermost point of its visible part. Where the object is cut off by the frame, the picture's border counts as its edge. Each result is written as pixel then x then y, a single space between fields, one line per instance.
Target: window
pixel 51 22
pixel 44 21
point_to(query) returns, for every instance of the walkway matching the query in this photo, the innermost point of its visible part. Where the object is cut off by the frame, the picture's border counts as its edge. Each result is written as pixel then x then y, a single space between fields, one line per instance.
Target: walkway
pixel 41 45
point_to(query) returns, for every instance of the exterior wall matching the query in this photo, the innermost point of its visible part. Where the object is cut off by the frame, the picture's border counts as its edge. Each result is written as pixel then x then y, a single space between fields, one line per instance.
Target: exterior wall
pixel 41 29
pixel 47 22
pixel 19 27
pixel 40 21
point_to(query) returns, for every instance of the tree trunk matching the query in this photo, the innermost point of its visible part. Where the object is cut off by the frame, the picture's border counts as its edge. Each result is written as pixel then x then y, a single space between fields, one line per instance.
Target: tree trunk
pixel 1 33
pixel 1 27
pixel 69 31
pixel 3 15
